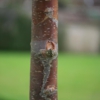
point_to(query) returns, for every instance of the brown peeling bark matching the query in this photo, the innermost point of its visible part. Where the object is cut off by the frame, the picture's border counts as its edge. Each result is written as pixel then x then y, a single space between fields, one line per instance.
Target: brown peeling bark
pixel 44 50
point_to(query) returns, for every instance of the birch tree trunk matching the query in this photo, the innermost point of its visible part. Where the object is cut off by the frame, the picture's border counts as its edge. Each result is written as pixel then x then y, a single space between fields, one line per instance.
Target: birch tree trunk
pixel 44 50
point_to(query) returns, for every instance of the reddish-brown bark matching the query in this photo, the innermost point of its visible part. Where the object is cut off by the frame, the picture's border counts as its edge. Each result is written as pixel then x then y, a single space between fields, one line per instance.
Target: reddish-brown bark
pixel 44 50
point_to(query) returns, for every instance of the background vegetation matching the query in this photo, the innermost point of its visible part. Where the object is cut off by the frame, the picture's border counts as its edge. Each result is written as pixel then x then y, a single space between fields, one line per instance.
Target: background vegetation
pixel 15 29
pixel 78 76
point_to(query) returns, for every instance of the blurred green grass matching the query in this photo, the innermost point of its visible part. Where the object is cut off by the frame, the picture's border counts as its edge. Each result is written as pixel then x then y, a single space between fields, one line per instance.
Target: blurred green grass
pixel 78 76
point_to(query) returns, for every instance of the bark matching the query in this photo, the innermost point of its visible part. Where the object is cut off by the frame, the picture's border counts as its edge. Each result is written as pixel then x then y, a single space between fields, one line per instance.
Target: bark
pixel 44 50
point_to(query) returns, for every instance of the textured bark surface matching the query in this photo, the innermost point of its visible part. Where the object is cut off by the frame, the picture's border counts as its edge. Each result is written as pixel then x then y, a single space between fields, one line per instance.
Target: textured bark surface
pixel 44 50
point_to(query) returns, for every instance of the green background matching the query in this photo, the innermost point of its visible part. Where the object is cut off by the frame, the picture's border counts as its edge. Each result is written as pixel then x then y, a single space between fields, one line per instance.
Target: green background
pixel 78 76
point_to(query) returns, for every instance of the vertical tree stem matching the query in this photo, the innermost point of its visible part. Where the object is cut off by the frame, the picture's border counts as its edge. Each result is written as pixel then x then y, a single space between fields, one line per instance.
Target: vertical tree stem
pixel 44 50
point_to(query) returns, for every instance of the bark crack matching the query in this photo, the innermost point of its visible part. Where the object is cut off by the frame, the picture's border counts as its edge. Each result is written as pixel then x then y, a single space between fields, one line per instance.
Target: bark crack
pixel 46 57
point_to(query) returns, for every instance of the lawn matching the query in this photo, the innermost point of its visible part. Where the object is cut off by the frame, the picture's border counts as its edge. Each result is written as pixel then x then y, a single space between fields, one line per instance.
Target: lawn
pixel 78 76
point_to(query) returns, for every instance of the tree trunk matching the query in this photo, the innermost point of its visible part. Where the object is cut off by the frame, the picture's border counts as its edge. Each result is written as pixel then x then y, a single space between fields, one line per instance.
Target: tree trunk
pixel 44 50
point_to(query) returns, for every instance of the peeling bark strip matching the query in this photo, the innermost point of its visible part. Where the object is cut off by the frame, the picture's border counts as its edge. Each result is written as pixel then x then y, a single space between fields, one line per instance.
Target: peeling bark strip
pixel 44 50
